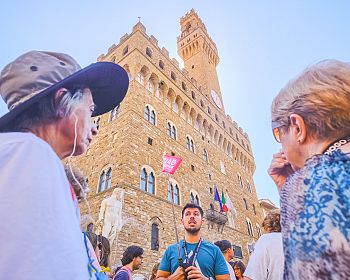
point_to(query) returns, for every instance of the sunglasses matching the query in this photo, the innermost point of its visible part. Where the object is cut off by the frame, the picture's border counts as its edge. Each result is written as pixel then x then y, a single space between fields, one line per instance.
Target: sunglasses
pixel 276 126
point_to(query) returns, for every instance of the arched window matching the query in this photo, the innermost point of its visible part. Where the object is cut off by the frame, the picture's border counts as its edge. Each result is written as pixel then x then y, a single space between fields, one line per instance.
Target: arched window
pixel 249 188
pixel 189 144
pixel 105 180
pixel 184 87
pixel 239 177
pixel 193 95
pixel 140 78
pixel 176 195
pixel 147 181
pixel 194 198
pixel 173 132
pixel 143 181
pixel 175 189
pixel 114 113
pixel 155 237
pixel 173 76
pixel 150 86
pixel 169 129
pixel 150 185
pixel 108 178
pixel 149 115
pixel 161 64
pixel 125 50
pixel 249 227
pixel 102 182
pixel 254 210
pixel 245 203
pixel 205 155
pixel 148 52
pixel 153 117
pixel 146 113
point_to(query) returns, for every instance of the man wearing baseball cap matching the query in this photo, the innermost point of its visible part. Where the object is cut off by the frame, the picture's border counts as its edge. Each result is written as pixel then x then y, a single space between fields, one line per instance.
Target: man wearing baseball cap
pixel 229 253
pixel 51 101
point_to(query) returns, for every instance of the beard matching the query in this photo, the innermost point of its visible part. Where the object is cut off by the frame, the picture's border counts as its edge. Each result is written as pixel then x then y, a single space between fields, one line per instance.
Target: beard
pixel 192 230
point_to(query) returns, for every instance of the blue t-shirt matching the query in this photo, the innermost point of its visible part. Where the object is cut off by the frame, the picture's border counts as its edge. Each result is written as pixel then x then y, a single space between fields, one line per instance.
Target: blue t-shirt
pixel 210 260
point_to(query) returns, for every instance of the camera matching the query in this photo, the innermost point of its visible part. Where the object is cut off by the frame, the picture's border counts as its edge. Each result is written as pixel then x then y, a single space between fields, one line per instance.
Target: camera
pixel 184 266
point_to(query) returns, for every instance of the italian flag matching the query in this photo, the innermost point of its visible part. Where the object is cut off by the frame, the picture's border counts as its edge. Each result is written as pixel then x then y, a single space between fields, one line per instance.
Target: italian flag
pixel 223 201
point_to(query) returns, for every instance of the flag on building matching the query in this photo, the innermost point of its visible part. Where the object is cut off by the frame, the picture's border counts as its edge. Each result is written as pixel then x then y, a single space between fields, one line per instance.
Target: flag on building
pixel 223 201
pixel 217 197
pixel 230 206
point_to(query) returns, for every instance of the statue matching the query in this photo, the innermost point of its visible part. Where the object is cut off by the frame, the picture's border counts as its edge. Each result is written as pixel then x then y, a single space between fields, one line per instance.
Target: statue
pixel 110 216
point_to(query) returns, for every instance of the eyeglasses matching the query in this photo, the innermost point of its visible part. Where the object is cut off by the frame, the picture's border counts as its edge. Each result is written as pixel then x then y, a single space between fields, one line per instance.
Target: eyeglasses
pixel 276 125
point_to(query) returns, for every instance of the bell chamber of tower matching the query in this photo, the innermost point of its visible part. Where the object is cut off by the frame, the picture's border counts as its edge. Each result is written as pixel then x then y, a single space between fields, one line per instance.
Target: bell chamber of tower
pixel 200 56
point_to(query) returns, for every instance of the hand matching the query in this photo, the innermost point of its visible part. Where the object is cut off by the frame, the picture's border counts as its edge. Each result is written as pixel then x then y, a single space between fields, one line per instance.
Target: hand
pixel 194 273
pixel 280 169
pixel 179 274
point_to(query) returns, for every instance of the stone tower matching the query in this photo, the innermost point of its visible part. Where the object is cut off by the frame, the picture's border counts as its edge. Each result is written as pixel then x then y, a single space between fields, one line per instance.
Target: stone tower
pixel 200 56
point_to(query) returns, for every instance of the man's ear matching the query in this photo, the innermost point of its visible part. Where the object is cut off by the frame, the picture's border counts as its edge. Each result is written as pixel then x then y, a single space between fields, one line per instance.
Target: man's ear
pixel 58 97
pixel 298 128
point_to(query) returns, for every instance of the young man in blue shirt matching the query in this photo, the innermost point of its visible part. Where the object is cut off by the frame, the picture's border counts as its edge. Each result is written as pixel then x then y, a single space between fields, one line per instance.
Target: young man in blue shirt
pixel 203 260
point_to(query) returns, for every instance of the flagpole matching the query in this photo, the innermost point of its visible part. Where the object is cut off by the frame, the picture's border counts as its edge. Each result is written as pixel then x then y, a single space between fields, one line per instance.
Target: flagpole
pixel 174 220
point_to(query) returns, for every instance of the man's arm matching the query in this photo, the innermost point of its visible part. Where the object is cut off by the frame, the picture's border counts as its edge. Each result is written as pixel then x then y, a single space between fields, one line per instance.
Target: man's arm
pixel 222 277
pixel 165 275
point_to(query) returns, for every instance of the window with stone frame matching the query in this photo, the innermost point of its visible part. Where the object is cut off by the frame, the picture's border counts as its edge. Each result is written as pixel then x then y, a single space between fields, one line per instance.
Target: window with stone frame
pixel 125 50
pixel 249 227
pixel 240 181
pixel 189 144
pixel 149 52
pixel 171 130
pixel 161 64
pixel 245 204
pixel 149 115
pixel 238 251
pixel 172 187
pixel 114 113
pixel 173 76
pixel 105 180
pixel 205 155
pixel 147 181
pixel 194 198
pixel 155 237
pixel 140 78
pixel 249 188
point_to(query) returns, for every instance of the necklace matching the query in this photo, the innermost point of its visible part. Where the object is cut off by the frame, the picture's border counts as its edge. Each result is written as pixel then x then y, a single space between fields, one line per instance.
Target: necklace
pixel 336 145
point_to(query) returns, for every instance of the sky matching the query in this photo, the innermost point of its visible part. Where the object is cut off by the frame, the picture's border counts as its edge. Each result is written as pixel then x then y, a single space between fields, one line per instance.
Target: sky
pixel 261 45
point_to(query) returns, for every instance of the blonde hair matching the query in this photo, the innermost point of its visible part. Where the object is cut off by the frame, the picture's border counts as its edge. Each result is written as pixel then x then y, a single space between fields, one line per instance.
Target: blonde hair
pixel 272 221
pixel 321 96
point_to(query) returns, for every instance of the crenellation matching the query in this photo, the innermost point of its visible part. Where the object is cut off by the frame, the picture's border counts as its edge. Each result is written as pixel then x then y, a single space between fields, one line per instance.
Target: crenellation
pixel 174 61
pixel 165 52
pixel 153 40
pixel 123 38
pixel 111 48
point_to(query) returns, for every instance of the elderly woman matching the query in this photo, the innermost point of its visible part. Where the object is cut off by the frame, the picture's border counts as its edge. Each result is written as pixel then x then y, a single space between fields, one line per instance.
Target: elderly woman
pixel 311 120
pixel 267 260
pixel 51 101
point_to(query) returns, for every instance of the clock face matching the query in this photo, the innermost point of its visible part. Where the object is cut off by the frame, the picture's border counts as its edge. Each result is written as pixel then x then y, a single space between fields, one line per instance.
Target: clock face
pixel 216 99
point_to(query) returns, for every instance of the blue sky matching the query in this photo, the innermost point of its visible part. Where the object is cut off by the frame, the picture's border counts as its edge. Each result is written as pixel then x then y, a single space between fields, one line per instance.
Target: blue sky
pixel 261 44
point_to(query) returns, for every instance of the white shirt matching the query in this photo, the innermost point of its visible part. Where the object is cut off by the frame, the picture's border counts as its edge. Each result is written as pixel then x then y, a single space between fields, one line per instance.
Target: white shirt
pixel 39 231
pixel 267 260
pixel 230 270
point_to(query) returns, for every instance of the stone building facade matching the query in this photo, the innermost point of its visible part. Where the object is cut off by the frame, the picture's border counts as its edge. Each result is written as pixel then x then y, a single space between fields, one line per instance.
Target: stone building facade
pixel 169 110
